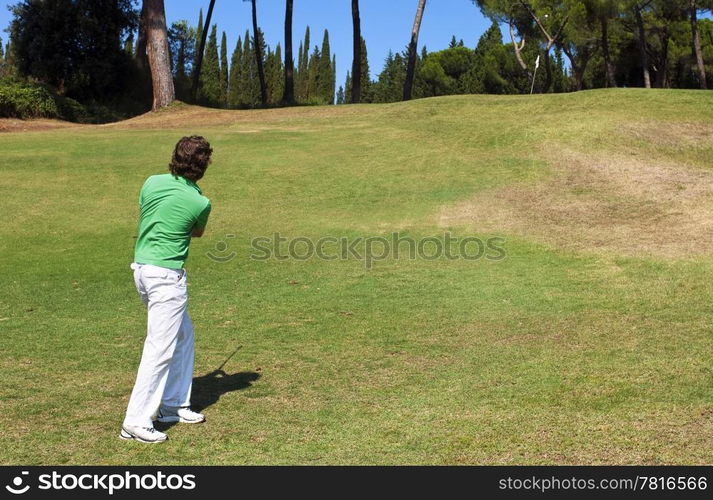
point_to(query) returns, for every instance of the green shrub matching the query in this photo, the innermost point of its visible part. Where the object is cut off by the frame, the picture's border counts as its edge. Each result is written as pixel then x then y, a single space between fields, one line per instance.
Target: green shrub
pixel 27 101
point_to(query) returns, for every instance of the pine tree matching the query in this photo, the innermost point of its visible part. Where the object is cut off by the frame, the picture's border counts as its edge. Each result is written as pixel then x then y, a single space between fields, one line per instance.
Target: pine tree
pixel 325 82
pixel 210 90
pixel 236 67
pixel 224 77
pixel 340 95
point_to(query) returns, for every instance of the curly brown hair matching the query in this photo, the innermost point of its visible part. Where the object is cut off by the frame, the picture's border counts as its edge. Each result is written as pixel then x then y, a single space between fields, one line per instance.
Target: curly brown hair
pixel 191 157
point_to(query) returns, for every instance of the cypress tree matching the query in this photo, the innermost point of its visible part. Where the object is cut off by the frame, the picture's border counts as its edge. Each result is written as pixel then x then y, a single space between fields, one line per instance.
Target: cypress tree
pixel 325 86
pixel 251 86
pixel 276 81
pixel 340 95
pixel 199 34
pixel 2 61
pixel 365 76
pixel 298 75
pixel 210 91
pixel 236 67
pixel 224 78
pixel 333 85
pixel 348 89
pixel 303 68
pixel 390 84
pixel 312 94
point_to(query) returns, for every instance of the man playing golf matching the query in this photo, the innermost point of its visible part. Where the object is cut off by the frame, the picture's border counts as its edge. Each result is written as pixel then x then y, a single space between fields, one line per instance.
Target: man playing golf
pixel 172 210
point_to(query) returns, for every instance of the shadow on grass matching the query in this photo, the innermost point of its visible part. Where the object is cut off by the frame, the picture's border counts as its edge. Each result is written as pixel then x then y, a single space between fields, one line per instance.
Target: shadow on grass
pixel 208 389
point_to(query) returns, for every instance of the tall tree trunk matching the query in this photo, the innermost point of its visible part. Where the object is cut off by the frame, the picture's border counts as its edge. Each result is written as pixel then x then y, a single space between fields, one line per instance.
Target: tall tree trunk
pixel 608 65
pixel 258 57
pixel 411 68
pixel 141 57
pixel 548 73
pixel 662 80
pixel 158 54
pixel 642 45
pixel 697 52
pixel 578 63
pixel 356 64
pixel 288 96
pixel 201 50
pixel 518 46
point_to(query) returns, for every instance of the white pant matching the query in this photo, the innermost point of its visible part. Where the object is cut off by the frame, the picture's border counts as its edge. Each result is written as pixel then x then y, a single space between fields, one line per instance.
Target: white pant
pixel 166 370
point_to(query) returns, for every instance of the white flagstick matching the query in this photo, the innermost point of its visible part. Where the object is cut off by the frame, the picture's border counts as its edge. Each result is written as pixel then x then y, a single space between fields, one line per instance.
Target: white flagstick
pixel 537 65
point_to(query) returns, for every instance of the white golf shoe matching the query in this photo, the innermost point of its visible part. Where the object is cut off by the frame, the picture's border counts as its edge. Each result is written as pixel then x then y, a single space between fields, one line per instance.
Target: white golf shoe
pixel 183 415
pixel 142 434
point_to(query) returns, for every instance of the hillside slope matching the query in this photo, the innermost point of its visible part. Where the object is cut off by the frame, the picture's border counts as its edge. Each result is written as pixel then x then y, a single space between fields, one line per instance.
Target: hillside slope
pixel 586 342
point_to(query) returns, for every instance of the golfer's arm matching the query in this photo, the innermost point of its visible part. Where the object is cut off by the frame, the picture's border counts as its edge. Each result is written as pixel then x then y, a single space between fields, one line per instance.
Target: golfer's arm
pixel 197 233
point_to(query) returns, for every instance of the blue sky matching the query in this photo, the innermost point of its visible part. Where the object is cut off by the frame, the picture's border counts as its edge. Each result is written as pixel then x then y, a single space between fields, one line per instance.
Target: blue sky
pixel 385 24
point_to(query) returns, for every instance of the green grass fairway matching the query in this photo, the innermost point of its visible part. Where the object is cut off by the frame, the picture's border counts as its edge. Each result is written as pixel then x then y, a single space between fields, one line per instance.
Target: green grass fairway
pixel 590 343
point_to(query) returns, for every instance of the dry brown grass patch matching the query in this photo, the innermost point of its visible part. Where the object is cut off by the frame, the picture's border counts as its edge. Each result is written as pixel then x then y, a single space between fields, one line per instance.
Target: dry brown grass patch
pixel 671 134
pixel 624 204
pixel 17 125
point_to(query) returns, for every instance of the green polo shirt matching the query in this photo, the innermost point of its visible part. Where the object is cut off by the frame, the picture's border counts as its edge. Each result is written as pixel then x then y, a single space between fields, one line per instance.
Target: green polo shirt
pixel 171 208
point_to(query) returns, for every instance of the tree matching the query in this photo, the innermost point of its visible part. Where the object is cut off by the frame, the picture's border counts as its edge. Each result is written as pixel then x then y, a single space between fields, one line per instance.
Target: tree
pixel 365 94
pixel 259 47
pixel 289 96
pixel 201 50
pixel 356 63
pixel 250 94
pixel 312 81
pixel 325 78
pixel 696 43
pixel 210 82
pixel 605 11
pixel 519 23
pixel 182 41
pixel 235 89
pixel 274 74
pixel 340 95
pixel 579 38
pixel 302 68
pixel 8 69
pixel 389 86
pixel 411 68
pixel 198 37
pixel 224 71
pixel 638 7
pixel 76 46
pixel 141 56
pixel 2 61
pixel 159 56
